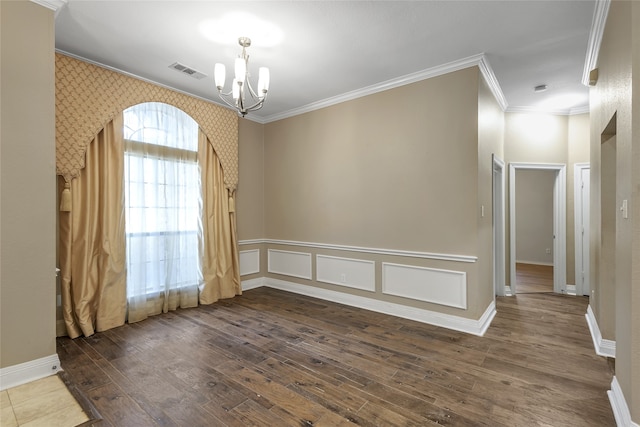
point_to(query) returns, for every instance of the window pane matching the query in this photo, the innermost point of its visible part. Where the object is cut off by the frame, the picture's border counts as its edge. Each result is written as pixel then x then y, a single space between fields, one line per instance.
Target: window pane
pixel 162 199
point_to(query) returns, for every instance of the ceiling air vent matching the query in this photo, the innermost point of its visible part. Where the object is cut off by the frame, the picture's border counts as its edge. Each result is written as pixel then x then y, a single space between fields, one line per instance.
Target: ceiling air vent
pixel 188 71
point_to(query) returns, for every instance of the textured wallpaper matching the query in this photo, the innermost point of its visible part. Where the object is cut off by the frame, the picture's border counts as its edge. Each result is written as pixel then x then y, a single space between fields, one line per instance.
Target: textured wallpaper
pixel 89 96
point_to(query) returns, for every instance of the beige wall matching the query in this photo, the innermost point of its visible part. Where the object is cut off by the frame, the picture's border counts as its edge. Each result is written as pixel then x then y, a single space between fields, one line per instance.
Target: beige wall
pixel 250 195
pixel 536 138
pixel 27 177
pixel 615 100
pixel 490 142
pixel 393 170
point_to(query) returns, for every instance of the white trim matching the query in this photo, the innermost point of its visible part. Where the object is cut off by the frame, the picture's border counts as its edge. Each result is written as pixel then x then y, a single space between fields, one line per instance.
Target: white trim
pixel 584 109
pixel 54 5
pixel 251 242
pixel 470 326
pixel 23 373
pixel 619 405
pixel 498 230
pixel 393 252
pixel 559 221
pixel 602 347
pixel 475 60
pixel 571 289
pixel 492 82
pixel 595 38
pixel 425 284
pixel 578 224
pixel 478 60
pixel 301 270
pixel 253 284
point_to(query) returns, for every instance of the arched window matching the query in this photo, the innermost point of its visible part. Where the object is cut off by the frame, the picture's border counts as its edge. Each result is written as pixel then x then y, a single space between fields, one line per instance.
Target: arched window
pixel 163 202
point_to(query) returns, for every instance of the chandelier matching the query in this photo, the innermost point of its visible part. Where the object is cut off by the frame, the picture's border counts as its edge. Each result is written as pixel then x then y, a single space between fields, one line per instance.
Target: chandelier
pixel 242 96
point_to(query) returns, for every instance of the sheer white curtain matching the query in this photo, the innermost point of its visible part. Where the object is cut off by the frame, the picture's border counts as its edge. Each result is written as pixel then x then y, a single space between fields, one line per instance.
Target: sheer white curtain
pixel 163 205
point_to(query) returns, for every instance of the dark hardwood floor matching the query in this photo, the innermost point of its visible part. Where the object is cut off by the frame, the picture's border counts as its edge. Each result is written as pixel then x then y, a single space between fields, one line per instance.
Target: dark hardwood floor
pixel 271 358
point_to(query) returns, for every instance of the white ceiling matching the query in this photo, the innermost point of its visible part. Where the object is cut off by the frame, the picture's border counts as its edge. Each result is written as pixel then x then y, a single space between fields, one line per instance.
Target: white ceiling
pixel 330 50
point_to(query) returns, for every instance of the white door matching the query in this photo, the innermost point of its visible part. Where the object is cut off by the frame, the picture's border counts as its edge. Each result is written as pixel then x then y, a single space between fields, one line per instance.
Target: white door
pixel 498 227
pixel 584 211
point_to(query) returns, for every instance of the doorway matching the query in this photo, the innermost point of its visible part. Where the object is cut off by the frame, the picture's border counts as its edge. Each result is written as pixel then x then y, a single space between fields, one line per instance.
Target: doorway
pixel 534 230
pixel 605 269
pixel 558 242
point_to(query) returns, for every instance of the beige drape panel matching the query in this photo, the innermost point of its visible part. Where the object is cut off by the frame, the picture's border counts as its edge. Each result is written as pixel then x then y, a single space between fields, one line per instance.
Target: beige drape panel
pixel 220 263
pixel 151 304
pixel 92 239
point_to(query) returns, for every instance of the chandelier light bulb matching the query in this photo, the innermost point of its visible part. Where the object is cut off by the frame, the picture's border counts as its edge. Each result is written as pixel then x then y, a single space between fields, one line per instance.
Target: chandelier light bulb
pixel 263 81
pixel 241 70
pixel 241 89
pixel 219 75
pixel 235 89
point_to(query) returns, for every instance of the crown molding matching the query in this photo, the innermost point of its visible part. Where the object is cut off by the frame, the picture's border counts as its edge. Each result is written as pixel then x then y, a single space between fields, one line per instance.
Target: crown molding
pixel 54 5
pixel 595 38
pixel 479 60
pixel 580 110
pixel 492 82
pixel 558 112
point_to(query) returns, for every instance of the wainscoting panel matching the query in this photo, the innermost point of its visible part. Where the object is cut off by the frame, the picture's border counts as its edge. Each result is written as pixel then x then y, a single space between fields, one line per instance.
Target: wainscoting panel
pixel 349 272
pixel 249 262
pixel 437 286
pixel 288 263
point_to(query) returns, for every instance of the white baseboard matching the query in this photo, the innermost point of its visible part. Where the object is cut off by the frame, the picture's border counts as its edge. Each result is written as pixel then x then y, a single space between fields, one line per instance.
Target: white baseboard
pixel 470 326
pixel 619 405
pixel 571 289
pixel 23 373
pixel 253 283
pixel 603 347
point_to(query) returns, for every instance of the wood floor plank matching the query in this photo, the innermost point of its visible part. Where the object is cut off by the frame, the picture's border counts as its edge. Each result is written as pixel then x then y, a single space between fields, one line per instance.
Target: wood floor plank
pixel 271 358
pixel 117 407
pixel 261 383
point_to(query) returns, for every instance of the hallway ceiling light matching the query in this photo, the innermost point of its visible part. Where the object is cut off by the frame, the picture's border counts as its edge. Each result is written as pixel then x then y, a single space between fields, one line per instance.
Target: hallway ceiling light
pixel 242 96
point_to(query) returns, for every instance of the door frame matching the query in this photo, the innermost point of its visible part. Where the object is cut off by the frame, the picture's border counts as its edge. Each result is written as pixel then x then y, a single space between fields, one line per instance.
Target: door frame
pixel 559 222
pixel 579 226
pixel 499 226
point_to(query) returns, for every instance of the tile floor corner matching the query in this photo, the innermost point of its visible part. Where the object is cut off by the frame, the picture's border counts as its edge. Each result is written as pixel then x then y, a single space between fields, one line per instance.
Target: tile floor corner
pixel 45 402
